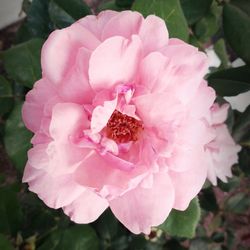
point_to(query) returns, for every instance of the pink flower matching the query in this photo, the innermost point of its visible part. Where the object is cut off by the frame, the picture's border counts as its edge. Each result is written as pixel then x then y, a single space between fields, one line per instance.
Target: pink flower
pixel 119 119
pixel 222 150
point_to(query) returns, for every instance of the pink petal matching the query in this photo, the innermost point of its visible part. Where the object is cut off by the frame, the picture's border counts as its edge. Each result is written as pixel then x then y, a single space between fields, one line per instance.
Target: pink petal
pixel 54 191
pixel 124 24
pixel 142 208
pixel 187 184
pixel 96 24
pixel 187 73
pixel 86 208
pixel 68 119
pixel 36 99
pixel 219 113
pixel 153 33
pixel 60 50
pixel 101 115
pixel 114 61
pixel 98 172
pixel 202 102
pixel 153 108
pixel 75 86
pixel 154 74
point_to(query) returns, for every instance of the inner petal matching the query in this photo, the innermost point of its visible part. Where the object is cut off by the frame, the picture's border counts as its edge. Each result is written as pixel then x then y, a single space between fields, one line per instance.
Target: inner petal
pixel 123 128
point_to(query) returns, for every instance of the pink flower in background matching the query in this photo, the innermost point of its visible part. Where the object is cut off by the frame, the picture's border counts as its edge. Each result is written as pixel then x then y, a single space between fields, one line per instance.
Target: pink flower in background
pixel 120 120
pixel 222 150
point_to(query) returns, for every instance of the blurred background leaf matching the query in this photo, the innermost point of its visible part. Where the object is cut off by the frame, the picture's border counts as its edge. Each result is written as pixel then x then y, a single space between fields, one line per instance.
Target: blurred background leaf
pixel 170 11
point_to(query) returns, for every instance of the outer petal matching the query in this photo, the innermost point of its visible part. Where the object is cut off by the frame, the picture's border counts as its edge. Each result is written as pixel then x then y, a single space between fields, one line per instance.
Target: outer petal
pixel 60 50
pixel 36 99
pixel 114 61
pixel 86 208
pixel 54 191
pixel 187 73
pixel 96 24
pixel 219 113
pixel 75 86
pixel 153 33
pixel 142 208
pixel 125 24
pixel 187 184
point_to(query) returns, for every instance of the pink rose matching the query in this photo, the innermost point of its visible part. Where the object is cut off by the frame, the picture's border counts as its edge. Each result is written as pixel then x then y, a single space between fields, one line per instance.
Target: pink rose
pixel 222 150
pixel 119 119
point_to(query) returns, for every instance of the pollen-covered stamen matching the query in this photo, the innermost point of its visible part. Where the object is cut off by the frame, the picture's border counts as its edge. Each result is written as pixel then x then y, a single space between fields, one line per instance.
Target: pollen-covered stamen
pixel 123 128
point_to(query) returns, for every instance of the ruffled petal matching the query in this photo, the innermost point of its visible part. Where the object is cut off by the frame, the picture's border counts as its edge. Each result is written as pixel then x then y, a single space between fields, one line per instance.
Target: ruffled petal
pixel 34 105
pixel 96 24
pixel 55 191
pixel 101 115
pixel 114 61
pixel 60 50
pixel 125 24
pixel 143 207
pixel 86 208
pixel 153 33
pixel 75 86
pixel 187 184
pixel 219 113
pixel 68 119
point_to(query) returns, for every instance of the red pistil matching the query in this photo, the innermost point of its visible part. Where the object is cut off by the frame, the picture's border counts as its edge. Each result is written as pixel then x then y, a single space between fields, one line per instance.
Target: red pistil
pixel 123 128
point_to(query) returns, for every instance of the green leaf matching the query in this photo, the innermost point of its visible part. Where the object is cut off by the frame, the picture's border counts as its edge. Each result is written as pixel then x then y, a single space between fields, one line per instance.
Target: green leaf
pixel 207 200
pixel 10 211
pixel 195 9
pixel 5 244
pixel 17 138
pixel 230 82
pixel 59 17
pixel 110 5
pixel 170 11
pixel 220 50
pixel 183 223
pixel 244 160
pixel 22 62
pixel 206 27
pixel 107 225
pixel 74 238
pixel 37 24
pixel 6 97
pixel 236 23
pixel 239 203
pixel 64 12
pixel 241 130
pixel 124 3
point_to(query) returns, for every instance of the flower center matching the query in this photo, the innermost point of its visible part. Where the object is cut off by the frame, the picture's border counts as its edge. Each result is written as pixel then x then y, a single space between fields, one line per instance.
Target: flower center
pixel 123 128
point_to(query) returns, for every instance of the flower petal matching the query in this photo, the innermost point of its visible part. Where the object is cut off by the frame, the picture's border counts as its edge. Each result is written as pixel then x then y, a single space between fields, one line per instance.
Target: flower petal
pixel 187 184
pixel 96 24
pixel 86 208
pixel 124 24
pixel 101 115
pixel 114 61
pixel 60 50
pixel 55 191
pixel 142 208
pixel 153 33
pixel 75 86
pixel 68 119
pixel 36 99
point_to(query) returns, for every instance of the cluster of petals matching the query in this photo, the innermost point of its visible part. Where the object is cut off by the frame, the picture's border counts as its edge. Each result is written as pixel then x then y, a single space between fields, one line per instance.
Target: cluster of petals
pixel 121 119
pixel 222 150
